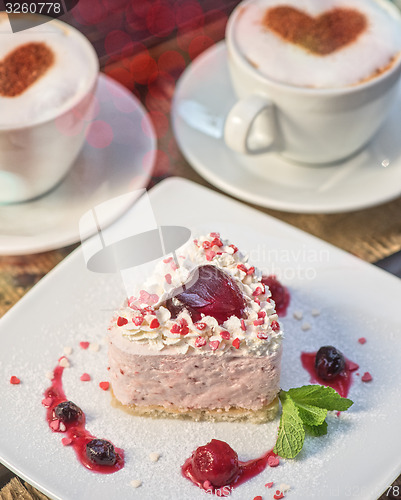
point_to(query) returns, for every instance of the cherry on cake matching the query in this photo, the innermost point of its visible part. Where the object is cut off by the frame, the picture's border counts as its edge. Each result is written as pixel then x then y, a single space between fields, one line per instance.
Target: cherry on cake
pixel 201 339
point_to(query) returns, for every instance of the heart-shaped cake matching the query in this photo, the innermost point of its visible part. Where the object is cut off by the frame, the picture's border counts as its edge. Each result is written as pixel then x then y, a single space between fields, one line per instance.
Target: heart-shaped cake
pixel 23 67
pixel 320 35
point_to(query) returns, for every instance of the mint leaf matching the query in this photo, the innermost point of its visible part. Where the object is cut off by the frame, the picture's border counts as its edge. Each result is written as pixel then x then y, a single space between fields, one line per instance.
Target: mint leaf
pixel 316 430
pixel 305 409
pixel 311 415
pixel 291 433
pixel 319 396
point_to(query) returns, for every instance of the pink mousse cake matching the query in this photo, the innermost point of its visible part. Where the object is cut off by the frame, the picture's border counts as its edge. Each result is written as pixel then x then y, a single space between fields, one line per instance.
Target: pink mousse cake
pixel 200 340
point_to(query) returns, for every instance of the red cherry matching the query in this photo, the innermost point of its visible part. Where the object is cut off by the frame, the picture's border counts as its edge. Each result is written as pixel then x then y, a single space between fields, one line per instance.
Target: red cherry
pixel 280 294
pixel 216 462
pixel 208 291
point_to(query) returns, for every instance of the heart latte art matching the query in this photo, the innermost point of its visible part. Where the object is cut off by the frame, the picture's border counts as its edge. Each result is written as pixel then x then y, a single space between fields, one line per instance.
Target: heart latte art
pixel 321 35
pixel 315 43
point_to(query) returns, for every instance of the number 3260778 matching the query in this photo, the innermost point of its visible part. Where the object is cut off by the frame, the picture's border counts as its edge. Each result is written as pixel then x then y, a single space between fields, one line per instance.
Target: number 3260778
pixel 34 8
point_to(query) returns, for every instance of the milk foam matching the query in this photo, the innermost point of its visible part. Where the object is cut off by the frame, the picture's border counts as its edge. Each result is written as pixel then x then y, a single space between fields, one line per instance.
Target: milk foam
pixel 63 84
pixel 287 63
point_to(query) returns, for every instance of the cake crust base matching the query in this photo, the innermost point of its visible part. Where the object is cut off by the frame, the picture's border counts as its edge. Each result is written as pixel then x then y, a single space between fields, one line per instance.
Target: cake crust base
pixel 233 414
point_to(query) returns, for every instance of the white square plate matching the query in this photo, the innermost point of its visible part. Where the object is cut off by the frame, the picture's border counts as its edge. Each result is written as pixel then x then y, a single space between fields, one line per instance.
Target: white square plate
pixel 358 458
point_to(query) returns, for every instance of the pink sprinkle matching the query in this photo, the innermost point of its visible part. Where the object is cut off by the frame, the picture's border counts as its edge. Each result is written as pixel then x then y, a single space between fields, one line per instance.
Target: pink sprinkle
pixel 258 322
pixel 215 235
pixel 85 345
pixel 200 326
pixel 154 323
pixel 138 320
pixel 85 377
pixel 174 266
pixel 250 271
pixel 234 248
pixel 207 485
pixel 236 342
pixel 243 327
pixel 144 296
pixel 366 377
pixel 275 326
pixel 104 385
pixel 47 402
pixel 257 292
pixel 168 278
pixel 262 336
pixel 279 494
pixel 352 366
pixel 121 321
pixel 66 441
pixel 210 254
pixel 55 425
pixel 273 461
pixel 166 261
pixel 14 380
pixel 269 485
pixel 257 300
pixel 225 335
pixel 241 267
pixel 206 244
pixel 175 328
pixel 200 341
pixel 261 314
pixel 362 340
pixel 217 242
pixel 258 498
pixel 153 298
pixel 214 344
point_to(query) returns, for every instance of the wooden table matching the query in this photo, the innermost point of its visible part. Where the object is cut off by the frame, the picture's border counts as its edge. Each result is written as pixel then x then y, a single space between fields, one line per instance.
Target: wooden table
pixel 370 234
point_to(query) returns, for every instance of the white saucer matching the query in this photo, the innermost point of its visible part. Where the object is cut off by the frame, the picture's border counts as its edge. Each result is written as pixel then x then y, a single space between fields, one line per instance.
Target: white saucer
pixel 98 175
pixel 204 96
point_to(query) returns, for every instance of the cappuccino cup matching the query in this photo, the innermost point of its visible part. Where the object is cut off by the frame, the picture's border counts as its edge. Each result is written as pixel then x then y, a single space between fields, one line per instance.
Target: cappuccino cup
pixel 315 80
pixel 48 76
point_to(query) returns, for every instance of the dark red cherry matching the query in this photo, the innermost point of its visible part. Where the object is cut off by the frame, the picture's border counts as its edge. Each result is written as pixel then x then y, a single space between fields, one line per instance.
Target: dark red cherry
pixel 210 291
pixel 216 462
pixel 101 452
pixel 329 362
pixel 279 292
pixel 67 411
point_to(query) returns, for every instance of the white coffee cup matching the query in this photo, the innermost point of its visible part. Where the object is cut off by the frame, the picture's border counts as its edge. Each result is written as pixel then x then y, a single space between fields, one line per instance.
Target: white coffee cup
pixel 42 130
pixel 304 124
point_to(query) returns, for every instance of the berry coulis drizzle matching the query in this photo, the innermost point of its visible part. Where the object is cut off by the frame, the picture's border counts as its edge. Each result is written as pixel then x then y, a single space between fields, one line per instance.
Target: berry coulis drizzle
pixel 341 383
pixel 75 432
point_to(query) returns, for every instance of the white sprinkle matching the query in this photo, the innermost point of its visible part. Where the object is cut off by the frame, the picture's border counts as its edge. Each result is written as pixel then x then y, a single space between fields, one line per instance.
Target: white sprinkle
pixel 64 362
pixel 67 350
pixel 94 347
pixel 315 312
pixel 298 315
pixel 62 427
pixel 49 375
pixel 154 457
pixel 135 483
pixel 305 326
pixel 284 487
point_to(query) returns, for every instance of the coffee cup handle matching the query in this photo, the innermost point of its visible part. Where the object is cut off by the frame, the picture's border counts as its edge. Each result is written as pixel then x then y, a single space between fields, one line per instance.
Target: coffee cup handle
pixel 250 125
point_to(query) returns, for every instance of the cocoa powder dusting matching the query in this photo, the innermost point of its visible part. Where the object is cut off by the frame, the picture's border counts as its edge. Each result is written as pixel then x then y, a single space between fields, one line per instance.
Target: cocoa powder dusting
pixel 23 66
pixel 321 35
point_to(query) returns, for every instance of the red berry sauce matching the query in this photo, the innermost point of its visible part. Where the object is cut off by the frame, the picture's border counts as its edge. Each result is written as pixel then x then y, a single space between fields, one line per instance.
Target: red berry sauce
pixel 215 467
pixel 341 383
pixel 280 293
pixel 74 431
